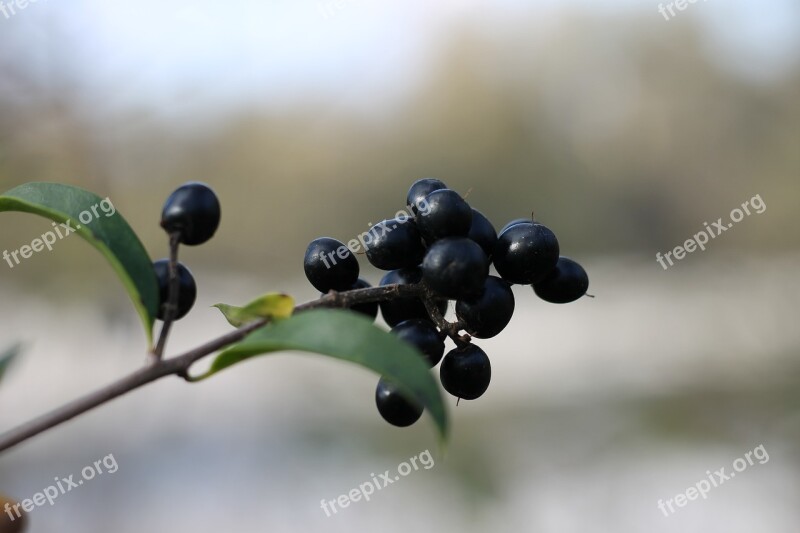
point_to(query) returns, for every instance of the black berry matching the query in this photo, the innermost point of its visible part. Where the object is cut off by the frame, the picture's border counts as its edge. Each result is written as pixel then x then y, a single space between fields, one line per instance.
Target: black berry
pixel 399 309
pixel 419 190
pixel 447 215
pixel 396 243
pixel 424 336
pixel 482 232
pixel 187 289
pixel 490 313
pixel 466 372
pixel 566 283
pixel 525 253
pixel 455 268
pixel 394 407
pixel 193 211
pixel 330 265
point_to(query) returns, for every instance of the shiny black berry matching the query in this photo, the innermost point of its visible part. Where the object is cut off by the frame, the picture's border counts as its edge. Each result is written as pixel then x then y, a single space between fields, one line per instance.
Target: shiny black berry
pixel 447 215
pixel 566 283
pixel 466 372
pixel 395 243
pixel 490 313
pixel 424 336
pixel 482 232
pixel 330 265
pixel 193 211
pixel 419 190
pixel 525 253
pixel 455 268
pixel 397 310
pixel 394 407
pixel 187 289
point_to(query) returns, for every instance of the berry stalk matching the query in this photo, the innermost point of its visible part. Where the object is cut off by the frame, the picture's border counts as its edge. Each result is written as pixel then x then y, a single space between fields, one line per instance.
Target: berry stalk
pixel 171 307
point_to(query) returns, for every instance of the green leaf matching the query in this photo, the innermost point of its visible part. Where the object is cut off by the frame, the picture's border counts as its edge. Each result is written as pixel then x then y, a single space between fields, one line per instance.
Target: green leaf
pixel 7 357
pixel 111 235
pixel 350 337
pixel 271 305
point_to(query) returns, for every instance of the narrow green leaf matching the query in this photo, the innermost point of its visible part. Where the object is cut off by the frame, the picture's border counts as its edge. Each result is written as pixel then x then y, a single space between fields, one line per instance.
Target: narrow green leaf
pixel 350 337
pixel 109 233
pixel 7 357
pixel 271 305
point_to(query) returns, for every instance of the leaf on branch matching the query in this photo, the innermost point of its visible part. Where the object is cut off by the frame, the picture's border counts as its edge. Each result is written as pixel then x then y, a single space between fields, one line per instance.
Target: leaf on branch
pixel 350 337
pixel 272 305
pixel 107 231
pixel 7 357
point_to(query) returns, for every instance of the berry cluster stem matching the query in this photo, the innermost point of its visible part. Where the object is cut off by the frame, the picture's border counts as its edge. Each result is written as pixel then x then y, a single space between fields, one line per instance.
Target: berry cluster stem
pixel 450 329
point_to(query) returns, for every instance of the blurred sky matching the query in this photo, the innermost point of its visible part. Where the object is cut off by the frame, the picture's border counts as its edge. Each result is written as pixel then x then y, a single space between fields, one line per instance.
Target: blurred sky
pixel 203 53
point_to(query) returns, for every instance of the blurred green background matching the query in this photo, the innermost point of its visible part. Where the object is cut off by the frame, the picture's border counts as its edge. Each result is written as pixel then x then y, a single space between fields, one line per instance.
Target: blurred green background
pixel 622 131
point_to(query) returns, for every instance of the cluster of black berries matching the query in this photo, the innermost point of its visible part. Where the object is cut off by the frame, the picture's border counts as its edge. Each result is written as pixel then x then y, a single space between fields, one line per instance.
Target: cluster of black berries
pixel 192 213
pixel 447 247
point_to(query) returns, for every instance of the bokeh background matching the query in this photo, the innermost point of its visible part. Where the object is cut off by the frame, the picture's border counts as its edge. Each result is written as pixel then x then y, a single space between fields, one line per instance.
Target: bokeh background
pixel 623 131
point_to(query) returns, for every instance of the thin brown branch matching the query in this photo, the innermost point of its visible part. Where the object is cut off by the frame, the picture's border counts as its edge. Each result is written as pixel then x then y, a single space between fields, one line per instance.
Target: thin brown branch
pixel 179 365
